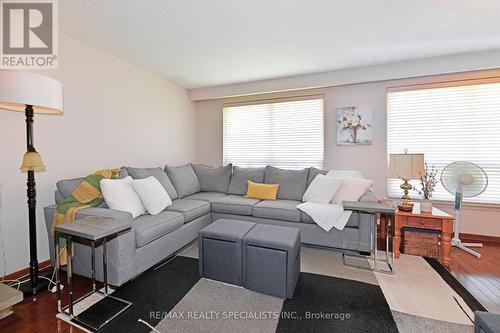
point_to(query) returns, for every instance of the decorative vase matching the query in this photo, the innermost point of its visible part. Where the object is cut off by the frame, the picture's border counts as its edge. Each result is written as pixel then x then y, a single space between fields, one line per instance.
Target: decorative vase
pixel 426 206
pixel 354 135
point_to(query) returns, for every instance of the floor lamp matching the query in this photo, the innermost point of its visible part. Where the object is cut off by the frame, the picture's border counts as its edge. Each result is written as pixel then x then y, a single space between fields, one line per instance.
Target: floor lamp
pixel 31 93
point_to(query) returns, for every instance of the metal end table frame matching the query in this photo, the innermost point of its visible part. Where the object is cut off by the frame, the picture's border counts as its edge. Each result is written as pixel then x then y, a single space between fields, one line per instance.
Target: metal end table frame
pixel 69 272
pixel 389 259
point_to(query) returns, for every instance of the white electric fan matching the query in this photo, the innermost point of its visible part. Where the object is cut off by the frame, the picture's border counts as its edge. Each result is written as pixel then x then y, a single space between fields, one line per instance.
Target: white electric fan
pixel 464 180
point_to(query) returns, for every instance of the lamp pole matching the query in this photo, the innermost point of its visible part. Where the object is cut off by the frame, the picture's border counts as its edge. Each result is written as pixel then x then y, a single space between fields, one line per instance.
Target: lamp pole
pixel 35 284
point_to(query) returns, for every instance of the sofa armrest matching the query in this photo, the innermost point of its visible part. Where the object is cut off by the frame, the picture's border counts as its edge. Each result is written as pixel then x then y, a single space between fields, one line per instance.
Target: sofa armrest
pixel 104 212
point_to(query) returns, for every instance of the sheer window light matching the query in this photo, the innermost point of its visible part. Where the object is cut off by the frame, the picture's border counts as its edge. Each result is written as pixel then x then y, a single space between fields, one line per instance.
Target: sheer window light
pixel 458 122
pixel 282 133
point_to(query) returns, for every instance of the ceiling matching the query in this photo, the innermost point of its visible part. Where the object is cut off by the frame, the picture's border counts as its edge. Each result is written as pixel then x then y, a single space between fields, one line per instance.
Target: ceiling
pixel 201 43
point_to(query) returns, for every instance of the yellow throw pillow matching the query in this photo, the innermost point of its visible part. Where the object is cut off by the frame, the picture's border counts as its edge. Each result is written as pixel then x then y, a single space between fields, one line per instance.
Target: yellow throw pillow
pixel 262 191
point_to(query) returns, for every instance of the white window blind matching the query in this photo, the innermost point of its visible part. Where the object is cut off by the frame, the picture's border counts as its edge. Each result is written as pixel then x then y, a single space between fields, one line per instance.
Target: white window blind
pixel 454 123
pixel 283 133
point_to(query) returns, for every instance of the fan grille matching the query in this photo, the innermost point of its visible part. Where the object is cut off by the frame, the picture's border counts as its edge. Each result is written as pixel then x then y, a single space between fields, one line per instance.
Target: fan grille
pixel 464 177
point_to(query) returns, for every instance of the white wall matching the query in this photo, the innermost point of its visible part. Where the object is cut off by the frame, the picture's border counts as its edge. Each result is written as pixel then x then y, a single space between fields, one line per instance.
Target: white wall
pixel 370 160
pixel 114 114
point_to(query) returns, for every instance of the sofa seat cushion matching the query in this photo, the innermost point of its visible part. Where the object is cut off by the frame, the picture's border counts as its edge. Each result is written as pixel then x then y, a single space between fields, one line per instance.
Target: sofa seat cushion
pixel 234 204
pixel 206 196
pixel 147 227
pixel 191 209
pixel 353 221
pixel 278 209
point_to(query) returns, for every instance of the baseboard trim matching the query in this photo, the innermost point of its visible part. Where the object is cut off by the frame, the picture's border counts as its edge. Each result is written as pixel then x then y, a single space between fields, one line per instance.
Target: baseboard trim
pixel 493 240
pixel 26 271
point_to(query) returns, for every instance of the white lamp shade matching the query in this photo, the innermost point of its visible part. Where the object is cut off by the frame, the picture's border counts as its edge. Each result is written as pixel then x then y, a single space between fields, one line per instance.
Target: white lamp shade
pixel 18 89
pixel 406 166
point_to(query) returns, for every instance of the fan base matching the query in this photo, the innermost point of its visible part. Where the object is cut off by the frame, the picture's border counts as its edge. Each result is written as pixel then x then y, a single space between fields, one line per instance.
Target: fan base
pixel 464 246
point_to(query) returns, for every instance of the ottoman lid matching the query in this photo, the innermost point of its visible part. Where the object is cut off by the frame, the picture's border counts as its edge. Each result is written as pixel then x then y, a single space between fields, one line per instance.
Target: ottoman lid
pixel 227 229
pixel 278 237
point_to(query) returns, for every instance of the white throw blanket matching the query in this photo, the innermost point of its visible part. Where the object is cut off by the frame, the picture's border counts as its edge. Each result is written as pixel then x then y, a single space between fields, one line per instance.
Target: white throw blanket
pixel 326 216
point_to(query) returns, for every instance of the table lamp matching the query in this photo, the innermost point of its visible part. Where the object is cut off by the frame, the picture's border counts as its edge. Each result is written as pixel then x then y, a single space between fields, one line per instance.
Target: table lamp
pixel 31 93
pixel 406 167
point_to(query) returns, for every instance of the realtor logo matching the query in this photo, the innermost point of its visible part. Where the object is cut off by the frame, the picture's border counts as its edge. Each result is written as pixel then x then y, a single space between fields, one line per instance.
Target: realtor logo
pixel 29 34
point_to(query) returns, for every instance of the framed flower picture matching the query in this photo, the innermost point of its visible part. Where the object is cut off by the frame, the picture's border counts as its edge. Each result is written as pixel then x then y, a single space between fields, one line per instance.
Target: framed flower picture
pixel 354 126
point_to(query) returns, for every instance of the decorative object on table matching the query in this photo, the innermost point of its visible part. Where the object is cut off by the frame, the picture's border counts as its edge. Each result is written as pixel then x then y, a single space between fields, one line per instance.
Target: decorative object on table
pixel 437 220
pixel 428 182
pixel 406 167
pixel 354 126
pixel 31 93
pixel 421 242
pixel 464 180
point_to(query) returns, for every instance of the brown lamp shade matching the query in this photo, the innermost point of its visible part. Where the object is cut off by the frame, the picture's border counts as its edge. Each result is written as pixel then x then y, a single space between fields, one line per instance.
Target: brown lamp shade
pixel 406 166
pixel 32 161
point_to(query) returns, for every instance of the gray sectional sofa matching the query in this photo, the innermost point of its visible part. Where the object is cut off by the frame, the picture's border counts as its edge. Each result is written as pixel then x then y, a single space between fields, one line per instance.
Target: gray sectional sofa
pixel 200 195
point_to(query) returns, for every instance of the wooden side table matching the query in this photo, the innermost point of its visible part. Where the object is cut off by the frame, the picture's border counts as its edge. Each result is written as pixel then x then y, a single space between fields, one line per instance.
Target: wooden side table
pixel 437 220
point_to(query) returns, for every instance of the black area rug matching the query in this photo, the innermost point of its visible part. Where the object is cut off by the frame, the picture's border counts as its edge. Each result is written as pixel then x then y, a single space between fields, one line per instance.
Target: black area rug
pixel 336 305
pixel 468 298
pixel 154 291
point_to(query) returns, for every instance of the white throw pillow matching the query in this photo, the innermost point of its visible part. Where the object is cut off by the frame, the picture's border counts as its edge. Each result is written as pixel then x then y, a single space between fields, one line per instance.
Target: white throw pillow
pixel 345 173
pixel 153 195
pixel 119 194
pixel 322 189
pixel 351 190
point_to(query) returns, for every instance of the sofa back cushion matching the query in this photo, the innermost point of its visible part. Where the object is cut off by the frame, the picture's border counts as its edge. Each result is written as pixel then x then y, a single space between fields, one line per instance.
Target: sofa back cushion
pixel 66 186
pixel 184 179
pixel 293 183
pixel 313 172
pixel 238 184
pixel 158 173
pixel 213 179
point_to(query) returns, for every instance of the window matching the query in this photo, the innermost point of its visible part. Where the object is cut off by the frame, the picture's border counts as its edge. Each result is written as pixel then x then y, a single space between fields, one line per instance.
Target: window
pixel 286 133
pixel 457 122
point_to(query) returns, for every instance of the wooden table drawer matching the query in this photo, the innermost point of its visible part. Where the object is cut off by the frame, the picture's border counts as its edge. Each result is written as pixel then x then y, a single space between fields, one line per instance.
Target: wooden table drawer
pixel 422 222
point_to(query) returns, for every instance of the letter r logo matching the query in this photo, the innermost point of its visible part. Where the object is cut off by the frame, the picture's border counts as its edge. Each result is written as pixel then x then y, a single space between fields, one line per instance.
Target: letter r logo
pixel 27 27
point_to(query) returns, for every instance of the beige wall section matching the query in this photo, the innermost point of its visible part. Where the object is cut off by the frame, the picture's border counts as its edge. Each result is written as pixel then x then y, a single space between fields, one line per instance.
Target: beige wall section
pixel 370 160
pixel 114 114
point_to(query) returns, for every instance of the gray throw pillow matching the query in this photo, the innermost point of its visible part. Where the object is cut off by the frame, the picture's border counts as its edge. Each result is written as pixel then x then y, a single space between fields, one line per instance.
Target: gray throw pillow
pixel 238 184
pixel 293 183
pixel 213 179
pixel 313 172
pixel 158 173
pixel 184 179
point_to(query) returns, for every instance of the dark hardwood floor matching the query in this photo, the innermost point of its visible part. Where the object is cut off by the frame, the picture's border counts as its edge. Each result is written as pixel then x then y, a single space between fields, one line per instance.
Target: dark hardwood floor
pixel 38 314
pixel 480 276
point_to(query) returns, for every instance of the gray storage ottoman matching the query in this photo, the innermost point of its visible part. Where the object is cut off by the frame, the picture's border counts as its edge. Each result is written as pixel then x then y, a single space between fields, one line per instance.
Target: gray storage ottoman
pixel 220 250
pixel 271 260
